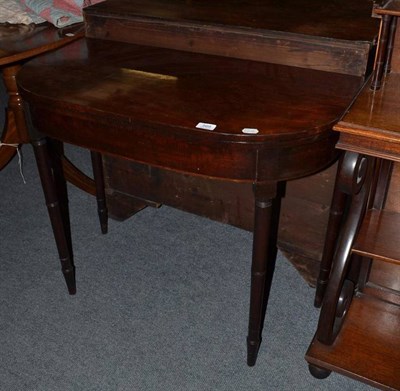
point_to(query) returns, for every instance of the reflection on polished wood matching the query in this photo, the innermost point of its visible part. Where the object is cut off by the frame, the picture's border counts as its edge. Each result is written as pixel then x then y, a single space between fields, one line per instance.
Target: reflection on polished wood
pixel 19 43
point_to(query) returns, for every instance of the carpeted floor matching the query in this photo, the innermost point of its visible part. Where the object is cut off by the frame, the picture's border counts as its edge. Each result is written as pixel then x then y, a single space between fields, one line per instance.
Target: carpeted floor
pixel 162 303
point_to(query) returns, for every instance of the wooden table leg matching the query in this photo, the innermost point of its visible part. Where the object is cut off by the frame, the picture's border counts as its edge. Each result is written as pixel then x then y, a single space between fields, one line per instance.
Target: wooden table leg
pixel 97 164
pixel 263 264
pixel 46 166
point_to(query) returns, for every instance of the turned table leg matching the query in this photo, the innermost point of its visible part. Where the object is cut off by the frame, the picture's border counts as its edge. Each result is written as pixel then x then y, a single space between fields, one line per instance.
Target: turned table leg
pixel 97 165
pixel 263 264
pixel 56 207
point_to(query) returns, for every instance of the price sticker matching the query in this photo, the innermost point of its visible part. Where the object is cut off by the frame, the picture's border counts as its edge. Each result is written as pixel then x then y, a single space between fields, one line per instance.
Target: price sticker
pixel 204 125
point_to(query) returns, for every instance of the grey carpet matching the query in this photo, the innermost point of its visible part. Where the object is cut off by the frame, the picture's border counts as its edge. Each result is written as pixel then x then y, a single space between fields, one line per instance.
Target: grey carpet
pixel 162 303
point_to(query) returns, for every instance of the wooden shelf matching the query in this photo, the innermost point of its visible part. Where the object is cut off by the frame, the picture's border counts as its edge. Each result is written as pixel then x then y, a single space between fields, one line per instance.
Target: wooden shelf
pixel 379 235
pixel 368 346
pixel 372 124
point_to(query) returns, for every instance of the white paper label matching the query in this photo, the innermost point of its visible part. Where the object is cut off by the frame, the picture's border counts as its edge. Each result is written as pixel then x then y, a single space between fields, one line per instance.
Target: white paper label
pixel 203 125
pixel 249 130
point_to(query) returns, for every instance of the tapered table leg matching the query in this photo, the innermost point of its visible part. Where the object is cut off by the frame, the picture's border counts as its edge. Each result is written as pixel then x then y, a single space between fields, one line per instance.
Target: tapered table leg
pixel 97 165
pixel 263 264
pixel 54 206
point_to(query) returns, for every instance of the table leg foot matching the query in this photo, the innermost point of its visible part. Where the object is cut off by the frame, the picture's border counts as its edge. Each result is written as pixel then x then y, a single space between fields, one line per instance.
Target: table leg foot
pixel 318 372
pixel 252 351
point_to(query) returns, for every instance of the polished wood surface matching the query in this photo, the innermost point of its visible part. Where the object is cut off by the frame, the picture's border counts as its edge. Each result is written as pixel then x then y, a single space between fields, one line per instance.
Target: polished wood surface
pixel 334 36
pixel 105 80
pixel 367 341
pixel 372 125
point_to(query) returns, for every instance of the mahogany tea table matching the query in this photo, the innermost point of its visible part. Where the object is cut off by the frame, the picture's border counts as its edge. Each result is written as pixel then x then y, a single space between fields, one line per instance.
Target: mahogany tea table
pixel 202 115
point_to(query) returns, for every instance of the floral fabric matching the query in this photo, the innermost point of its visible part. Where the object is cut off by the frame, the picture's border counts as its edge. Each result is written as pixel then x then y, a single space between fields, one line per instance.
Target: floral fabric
pixel 12 11
pixel 61 13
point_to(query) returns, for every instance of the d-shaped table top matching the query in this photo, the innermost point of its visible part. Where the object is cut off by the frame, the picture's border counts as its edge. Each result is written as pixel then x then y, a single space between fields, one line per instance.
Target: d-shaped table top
pixel 197 113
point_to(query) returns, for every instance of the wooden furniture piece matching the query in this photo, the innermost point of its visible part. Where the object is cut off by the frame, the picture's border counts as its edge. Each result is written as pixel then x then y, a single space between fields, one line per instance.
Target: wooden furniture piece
pixel 335 37
pixel 154 106
pixel 358 331
pixel 18 44
pixel 150 95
